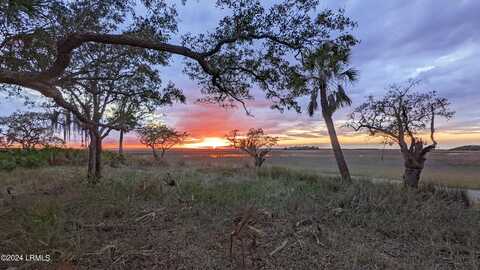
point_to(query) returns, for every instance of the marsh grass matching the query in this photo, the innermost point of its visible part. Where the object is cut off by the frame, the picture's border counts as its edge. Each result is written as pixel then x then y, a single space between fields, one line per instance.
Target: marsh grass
pixel 133 220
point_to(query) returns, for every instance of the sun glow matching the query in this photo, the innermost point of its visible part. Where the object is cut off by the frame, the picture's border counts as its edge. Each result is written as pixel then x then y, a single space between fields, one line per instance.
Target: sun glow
pixel 209 142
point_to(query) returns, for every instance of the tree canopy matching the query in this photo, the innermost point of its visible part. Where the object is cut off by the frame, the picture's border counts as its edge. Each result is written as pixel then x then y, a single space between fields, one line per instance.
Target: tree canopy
pixel 255 143
pixel 252 44
pixel 159 136
pixel 401 116
pixel 28 130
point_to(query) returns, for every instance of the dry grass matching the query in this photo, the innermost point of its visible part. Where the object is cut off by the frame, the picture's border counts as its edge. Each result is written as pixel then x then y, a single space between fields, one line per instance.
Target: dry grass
pixel 283 219
pixel 449 168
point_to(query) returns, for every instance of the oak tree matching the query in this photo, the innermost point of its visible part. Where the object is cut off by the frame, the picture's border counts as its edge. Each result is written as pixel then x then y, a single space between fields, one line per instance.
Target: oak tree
pixel 401 116
pixel 29 130
pixel 255 143
pixel 254 44
pixel 160 137
pixel 104 83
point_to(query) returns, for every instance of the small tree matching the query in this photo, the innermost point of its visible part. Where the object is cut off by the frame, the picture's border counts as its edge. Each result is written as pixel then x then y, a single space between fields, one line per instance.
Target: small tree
pixel 29 130
pixel 160 137
pixel 255 143
pixel 400 116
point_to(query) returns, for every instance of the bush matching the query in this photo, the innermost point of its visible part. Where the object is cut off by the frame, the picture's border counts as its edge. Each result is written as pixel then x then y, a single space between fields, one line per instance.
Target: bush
pixel 31 161
pixel 12 158
pixel 7 165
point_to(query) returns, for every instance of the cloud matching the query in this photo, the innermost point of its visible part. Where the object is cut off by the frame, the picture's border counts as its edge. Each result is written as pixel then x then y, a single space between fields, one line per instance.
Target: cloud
pixel 208 120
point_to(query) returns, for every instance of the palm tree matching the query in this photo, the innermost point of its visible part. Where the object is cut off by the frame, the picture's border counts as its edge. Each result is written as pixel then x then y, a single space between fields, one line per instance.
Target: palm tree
pixel 328 74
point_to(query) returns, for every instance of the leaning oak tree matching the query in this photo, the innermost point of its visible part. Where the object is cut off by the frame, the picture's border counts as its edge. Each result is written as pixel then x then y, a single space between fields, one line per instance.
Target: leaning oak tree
pixel 401 116
pixel 28 130
pixel 254 44
pixel 255 143
pixel 160 137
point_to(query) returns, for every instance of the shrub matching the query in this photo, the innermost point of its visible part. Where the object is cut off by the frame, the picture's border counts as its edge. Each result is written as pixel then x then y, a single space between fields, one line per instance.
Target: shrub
pixel 13 158
pixel 31 161
pixel 7 165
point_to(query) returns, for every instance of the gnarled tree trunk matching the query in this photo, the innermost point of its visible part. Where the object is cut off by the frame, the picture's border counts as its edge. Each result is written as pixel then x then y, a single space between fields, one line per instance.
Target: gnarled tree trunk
pixel 155 154
pixel 259 161
pixel 414 161
pixel 411 176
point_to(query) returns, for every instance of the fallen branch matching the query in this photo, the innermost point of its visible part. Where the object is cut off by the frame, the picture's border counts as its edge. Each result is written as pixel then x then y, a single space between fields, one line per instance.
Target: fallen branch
pixel 282 246
pixel 144 217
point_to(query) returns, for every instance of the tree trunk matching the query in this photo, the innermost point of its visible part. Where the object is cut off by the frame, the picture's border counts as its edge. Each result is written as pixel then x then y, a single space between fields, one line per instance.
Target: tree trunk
pixel 414 161
pixel 98 159
pixel 411 177
pixel 413 168
pixel 154 152
pixel 120 144
pixel 162 154
pixel 259 161
pixel 94 157
pixel 337 149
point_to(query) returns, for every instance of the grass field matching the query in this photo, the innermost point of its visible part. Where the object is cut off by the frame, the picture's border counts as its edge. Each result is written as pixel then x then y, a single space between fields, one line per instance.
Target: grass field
pixel 450 168
pixel 285 219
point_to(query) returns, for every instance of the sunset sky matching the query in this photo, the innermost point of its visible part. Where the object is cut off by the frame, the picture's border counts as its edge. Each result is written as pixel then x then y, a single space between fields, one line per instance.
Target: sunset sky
pixel 436 41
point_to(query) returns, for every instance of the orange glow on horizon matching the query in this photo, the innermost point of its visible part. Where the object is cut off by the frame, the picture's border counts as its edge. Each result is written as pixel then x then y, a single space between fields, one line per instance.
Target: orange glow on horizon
pixel 445 139
pixel 208 142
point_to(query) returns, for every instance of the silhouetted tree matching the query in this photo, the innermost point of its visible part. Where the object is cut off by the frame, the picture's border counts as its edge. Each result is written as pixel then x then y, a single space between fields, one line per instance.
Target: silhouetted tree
pixel 401 116
pixel 107 85
pixel 325 74
pixel 127 121
pixel 254 44
pixel 255 143
pixel 28 129
pixel 129 112
pixel 160 137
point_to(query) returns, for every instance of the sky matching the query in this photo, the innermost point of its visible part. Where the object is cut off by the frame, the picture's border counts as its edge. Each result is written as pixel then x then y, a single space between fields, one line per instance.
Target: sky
pixel 435 41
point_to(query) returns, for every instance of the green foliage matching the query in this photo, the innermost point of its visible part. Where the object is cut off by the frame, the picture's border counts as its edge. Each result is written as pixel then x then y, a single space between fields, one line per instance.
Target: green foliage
pixel 326 72
pixel 30 161
pixel 13 158
pixel 42 221
pixel 7 165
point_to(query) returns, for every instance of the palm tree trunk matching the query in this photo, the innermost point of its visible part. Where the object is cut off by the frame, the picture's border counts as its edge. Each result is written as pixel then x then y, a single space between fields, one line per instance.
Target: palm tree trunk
pixel 337 149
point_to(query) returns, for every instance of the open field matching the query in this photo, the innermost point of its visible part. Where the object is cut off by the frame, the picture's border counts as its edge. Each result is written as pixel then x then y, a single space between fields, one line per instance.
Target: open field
pixel 291 220
pixel 450 168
